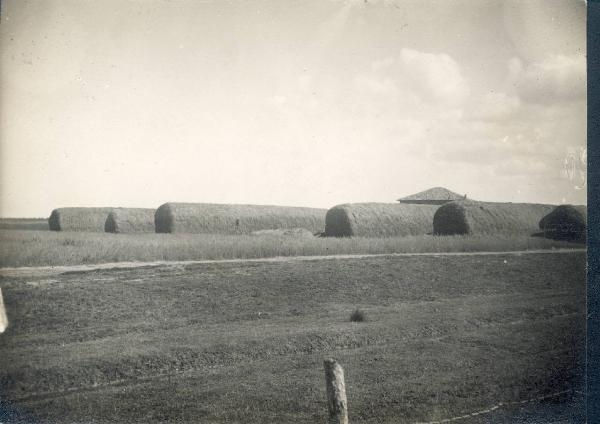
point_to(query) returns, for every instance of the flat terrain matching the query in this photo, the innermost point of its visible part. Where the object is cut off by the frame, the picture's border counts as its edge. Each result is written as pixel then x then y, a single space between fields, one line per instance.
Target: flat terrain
pixel 31 224
pixel 20 248
pixel 244 342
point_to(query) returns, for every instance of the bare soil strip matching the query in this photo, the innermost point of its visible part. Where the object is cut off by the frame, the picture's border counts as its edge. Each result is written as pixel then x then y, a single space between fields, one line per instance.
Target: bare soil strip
pixel 39 271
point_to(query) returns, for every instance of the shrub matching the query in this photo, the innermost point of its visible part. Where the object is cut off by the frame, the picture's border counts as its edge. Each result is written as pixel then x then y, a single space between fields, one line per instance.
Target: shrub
pixel 358 316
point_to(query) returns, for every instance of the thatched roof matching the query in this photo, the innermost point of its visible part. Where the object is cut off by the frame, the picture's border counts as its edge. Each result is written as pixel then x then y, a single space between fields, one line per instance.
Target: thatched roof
pixel 130 220
pixel 435 195
pixel 566 222
pixel 78 219
pixel 470 217
pixel 234 219
pixel 379 220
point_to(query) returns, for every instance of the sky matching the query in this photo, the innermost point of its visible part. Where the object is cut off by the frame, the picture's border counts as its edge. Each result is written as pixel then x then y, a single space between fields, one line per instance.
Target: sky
pixel 135 103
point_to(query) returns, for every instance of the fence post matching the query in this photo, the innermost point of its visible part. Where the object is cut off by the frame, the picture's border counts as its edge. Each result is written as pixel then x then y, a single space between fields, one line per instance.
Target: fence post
pixel 336 392
pixel 3 318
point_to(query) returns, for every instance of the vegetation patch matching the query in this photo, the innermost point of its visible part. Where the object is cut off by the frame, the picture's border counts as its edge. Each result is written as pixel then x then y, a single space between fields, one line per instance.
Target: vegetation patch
pixel 358 315
pixel 34 248
pixel 453 335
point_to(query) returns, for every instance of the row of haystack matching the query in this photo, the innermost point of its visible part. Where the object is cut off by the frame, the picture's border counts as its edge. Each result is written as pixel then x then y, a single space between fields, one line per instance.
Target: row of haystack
pixel 442 212
pixel 434 211
pixel 458 217
pixel 188 218
pixel 412 216
pixel 564 222
pixel 113 220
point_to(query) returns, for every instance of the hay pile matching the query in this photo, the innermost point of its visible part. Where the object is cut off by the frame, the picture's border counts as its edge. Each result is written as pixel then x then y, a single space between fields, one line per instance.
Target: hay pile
pixel 78 219
pixel 379 220
pixel 470 217
pixel 234 219
pixel 566 222
pixel 130 220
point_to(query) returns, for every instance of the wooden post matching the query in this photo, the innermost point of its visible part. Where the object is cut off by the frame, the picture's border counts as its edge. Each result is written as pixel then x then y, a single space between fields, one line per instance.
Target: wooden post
pixel 336 392
pixel 3 318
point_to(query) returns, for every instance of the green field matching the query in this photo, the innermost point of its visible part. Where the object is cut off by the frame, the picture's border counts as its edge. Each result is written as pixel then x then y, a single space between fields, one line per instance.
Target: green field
pixel 37 248
pixel 244 342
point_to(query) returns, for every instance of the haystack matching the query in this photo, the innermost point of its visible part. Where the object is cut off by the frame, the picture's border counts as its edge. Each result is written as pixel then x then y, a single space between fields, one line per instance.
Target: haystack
pixel 379 220
pixel 234 219
pixel 566 222
pixel 470 217
pixel 78 219
pixel 130 220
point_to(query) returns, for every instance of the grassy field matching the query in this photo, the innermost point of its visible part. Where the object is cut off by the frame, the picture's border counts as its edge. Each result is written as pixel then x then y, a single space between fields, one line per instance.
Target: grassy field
pixel 33 248
pixel 32 224
pixel 244 342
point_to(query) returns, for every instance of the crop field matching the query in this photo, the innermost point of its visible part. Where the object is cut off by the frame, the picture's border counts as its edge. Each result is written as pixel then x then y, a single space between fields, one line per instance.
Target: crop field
pixel 444 336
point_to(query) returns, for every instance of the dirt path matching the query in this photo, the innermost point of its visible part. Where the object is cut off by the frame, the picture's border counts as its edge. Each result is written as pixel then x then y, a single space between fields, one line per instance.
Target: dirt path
pixel 40 271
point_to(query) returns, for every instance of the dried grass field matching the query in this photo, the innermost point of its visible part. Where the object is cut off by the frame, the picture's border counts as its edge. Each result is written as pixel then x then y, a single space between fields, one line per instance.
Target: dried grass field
pixel 244 342
pixel 38 248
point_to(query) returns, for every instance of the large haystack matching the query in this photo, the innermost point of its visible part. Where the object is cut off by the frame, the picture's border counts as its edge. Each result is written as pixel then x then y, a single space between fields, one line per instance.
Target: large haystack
pixel 234 219
pixel 130 220
pixel 78 219
pixel 566 222
pixel 379 220
pixel 470 217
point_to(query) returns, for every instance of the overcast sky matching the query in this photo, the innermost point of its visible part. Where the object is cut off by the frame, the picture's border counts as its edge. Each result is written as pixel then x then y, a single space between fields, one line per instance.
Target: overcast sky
pixel 308 103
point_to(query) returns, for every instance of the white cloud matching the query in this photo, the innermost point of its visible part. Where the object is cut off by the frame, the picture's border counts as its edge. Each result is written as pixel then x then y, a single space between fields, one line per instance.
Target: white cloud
pixel 558 78
pixel 494 106
pixel 277 100
pixel 381 85
pixel 436 76
pixel 433 78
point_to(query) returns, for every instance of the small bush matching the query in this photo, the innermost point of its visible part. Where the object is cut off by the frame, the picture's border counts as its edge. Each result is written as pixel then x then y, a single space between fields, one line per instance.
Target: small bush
pixel 358 316
pixel 69 242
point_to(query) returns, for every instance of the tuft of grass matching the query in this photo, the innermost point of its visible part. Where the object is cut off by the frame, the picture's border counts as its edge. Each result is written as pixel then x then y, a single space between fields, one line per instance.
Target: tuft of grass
pixel 358 316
